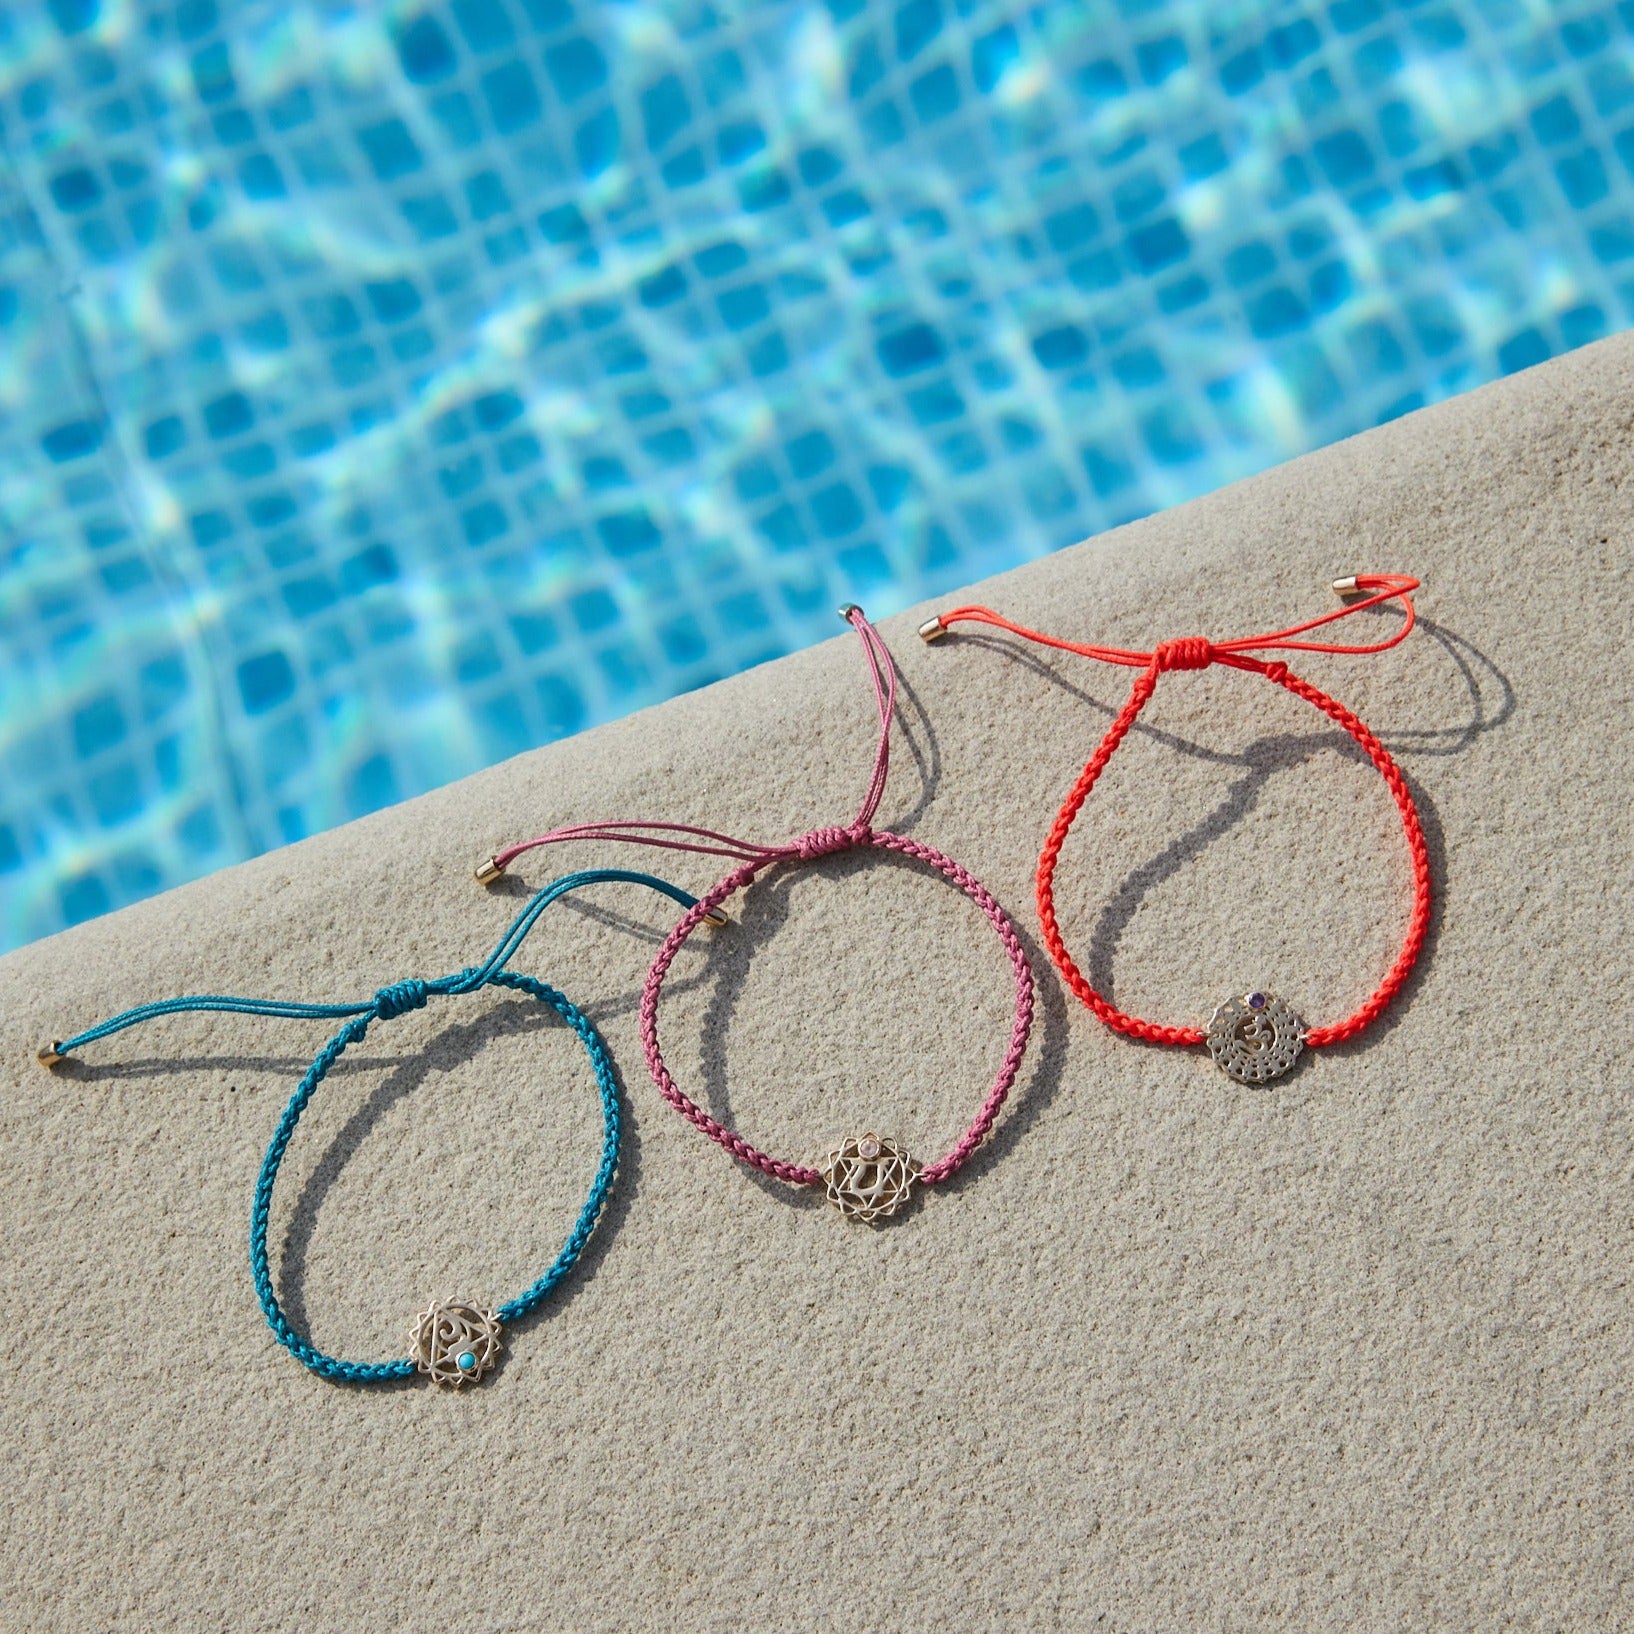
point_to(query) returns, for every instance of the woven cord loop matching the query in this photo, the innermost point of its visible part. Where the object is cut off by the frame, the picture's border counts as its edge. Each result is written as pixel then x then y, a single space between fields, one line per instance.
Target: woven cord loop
pixel 1191 653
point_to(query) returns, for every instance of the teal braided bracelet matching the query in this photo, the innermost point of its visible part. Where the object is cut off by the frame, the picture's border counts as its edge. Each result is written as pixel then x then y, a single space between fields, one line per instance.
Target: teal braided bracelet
pixel 454 1342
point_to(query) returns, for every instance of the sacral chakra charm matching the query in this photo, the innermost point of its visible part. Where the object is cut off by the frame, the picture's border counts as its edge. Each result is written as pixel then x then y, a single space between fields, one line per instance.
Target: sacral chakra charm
pixel 1255 1038
pixel 868 1177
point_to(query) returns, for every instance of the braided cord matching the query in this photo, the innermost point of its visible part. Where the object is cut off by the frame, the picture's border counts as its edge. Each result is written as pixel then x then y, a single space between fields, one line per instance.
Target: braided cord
pixel 601 1064
pixel 331 1367
pixel 394 1000
pixel 825 842
pixel 1192 653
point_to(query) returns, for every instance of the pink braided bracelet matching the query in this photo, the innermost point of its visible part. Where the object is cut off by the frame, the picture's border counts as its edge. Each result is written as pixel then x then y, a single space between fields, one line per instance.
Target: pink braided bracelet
pixel 866 1176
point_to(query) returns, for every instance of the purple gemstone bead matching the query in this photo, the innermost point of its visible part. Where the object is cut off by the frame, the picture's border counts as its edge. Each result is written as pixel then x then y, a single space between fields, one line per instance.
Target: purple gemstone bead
pixel 1256 1001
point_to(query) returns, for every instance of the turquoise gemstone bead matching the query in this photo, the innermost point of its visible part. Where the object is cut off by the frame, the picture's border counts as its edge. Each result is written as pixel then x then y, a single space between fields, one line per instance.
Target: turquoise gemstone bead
pixel 467 1361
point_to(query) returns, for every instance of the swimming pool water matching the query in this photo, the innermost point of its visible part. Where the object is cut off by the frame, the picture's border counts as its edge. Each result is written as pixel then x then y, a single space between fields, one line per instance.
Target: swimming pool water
pixel 385 389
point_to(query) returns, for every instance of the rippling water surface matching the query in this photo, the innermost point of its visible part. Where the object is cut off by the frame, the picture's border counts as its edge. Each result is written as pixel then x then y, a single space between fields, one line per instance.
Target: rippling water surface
pixel 385 389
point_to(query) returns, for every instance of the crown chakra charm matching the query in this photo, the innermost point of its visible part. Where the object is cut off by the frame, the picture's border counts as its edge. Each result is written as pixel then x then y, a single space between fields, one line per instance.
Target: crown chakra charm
pixel 1255 1038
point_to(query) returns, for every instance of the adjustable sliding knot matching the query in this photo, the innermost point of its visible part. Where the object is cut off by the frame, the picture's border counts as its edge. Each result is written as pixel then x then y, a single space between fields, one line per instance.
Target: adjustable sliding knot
pixel 823 842
pixel 1187 652
pixel 1277 671
pixel 399 999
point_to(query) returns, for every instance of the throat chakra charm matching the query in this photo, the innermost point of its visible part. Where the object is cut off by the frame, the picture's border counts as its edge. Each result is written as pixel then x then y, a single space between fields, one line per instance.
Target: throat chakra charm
pixel 1255 1038
pixel 455 1343
pixel 868 1177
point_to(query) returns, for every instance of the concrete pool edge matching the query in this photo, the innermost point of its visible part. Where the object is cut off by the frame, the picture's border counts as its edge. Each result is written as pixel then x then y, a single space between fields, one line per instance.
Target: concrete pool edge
pixel 1411 1255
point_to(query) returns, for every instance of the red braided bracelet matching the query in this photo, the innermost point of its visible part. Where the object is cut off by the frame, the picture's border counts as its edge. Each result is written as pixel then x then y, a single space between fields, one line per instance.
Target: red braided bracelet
pixel 867 1176
pixel 1255 1037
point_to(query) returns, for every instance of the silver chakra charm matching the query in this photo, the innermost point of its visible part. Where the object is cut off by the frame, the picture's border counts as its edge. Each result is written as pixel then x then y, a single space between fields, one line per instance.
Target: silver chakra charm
pixel 868 1177
pixel 455 1343
pixel 1255 1038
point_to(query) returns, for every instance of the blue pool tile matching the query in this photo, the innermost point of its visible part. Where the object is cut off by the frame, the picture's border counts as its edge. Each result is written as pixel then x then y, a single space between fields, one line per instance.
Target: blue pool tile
pixel 909 349
pixel 72 440
pixel 1158 59
pixel 991 54
pixel 392 300
pixel 251 460
pixel 1063 347
pixel 594 610
pixel 1159 245
pixel 98 725
pixel 1583 178
pixel 916 24
pixel 1344 157
pixel 458 119
pixel 1102 77
pixel 83 898
pixel 1556 121
pixel 426 52
pixel 77 188
pixel 391 151
pixel 1522 350
pixel 1072 228
pixel 935 95
pixel 261 178
pixel 228 415
pixel 1583 324
pixel 265 681
pixel 837 511
pixel 576 67
pixel 1612 241
pixel 1349 16
pixel 512 98
pixel 116 795
pixel 1242 72
pixel 290 108
pixel 628 533
pixel 666 111
pixel 484 24
pixel 212 73
pixel 233 127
